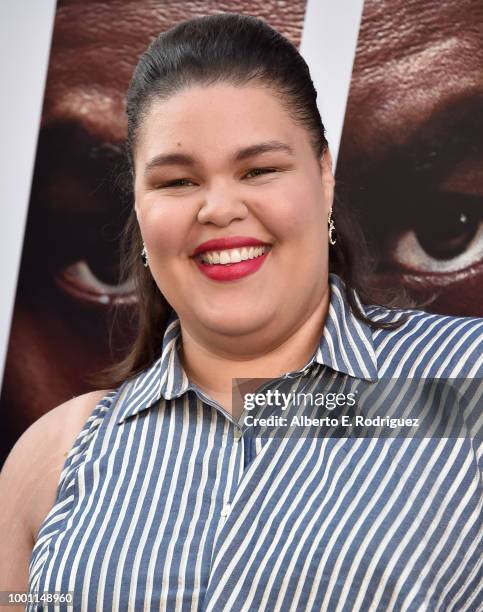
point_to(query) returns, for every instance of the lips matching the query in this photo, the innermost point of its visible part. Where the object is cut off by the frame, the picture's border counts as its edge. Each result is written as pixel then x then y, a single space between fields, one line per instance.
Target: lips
pixel 230 242
pixel 224 271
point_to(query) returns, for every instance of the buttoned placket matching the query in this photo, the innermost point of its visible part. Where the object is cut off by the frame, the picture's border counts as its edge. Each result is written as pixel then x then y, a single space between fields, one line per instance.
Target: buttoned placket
pixel 242 443
pixel 239 446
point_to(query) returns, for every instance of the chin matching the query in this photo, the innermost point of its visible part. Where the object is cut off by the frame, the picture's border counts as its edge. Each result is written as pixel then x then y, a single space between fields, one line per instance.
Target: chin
pixel 237 322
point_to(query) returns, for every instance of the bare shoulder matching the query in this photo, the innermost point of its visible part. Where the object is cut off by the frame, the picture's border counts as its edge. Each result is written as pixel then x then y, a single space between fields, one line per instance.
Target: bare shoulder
pixel 32 470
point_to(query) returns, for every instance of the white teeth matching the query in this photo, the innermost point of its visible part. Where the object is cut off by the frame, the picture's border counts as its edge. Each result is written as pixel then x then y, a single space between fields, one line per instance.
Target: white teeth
pixel 231 256
pixel 235 256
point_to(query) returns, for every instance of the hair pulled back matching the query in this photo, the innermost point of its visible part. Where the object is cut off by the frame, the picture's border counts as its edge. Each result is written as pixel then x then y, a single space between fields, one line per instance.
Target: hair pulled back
pixel 237 50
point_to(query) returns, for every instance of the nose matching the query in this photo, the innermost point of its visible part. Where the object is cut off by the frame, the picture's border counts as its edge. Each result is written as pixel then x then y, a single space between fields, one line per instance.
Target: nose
pixel 221 206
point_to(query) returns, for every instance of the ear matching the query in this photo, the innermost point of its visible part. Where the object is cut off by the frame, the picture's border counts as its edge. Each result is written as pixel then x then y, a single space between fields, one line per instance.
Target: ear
pixel 328 180
pixel 326 164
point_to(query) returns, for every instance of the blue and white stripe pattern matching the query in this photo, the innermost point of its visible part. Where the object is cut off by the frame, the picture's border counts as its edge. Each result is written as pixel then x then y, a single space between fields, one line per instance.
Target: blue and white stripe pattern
pixel 162 506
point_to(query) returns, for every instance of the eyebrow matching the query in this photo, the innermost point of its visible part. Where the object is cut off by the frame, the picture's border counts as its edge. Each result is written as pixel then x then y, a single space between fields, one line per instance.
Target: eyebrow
pixel 183 159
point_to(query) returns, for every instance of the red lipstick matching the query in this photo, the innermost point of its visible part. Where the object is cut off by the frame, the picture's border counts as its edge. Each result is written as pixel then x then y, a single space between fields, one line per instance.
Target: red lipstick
pixel 232 271
pixel 230 242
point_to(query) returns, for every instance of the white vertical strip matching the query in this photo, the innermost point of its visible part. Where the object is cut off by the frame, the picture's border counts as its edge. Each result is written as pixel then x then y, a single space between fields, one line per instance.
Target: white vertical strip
pixel 25 35
pixel 329 40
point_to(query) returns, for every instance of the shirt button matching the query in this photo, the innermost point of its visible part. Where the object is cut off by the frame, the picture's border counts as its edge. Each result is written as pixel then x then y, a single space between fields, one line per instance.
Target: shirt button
pixel 225 511
pixel 237 435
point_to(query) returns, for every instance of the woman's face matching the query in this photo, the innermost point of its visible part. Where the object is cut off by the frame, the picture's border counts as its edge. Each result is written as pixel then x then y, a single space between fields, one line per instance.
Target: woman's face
pixel 278 193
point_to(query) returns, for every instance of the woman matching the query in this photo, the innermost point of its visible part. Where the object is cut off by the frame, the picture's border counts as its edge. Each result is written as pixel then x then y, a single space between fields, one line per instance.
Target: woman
pixel 163 501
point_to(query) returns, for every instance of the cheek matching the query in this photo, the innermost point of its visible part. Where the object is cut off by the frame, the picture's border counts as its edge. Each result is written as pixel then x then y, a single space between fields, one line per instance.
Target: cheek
pixel 164 227
pixel 297 213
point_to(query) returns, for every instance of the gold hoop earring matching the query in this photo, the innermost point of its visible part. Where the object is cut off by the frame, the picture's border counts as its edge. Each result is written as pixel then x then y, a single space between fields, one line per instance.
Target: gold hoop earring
pixel 330 222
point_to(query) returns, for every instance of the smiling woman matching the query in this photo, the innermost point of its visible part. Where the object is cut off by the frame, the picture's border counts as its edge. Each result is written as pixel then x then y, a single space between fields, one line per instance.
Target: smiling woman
pixel 197 134
pixel 245 269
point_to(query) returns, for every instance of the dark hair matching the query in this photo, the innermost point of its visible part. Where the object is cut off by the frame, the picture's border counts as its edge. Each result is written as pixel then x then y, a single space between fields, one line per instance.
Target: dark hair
pixel 235 49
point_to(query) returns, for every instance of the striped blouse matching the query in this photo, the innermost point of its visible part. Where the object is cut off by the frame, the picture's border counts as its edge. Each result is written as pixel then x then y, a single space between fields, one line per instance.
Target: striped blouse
pixel 166 503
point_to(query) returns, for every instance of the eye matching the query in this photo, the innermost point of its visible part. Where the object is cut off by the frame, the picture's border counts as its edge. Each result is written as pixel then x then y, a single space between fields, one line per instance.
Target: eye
pixel 175 183
pixel 79 281
pixel 446 236
pixel 260 171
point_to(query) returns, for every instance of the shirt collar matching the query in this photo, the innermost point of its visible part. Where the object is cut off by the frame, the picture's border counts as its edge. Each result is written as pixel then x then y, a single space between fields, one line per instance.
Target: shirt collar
pixel 346 346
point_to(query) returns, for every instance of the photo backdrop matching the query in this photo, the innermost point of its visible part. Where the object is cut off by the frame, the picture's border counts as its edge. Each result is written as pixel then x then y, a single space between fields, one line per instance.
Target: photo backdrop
pixel 400 90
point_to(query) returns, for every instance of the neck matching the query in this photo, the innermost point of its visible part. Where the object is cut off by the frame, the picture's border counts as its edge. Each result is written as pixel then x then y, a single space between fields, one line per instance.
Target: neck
pixel 212 365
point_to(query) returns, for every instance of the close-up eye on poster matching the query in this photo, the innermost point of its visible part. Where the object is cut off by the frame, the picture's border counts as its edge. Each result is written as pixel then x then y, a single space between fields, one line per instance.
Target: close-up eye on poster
pixel 241 325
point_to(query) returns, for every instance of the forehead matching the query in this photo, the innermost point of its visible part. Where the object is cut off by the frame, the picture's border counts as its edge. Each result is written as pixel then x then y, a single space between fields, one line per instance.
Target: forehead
pixel 96 45
pixel 122 29
pixel 412 59
pixel 400 38
pixel 216 118
pixel 254 101
pixel 398 24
